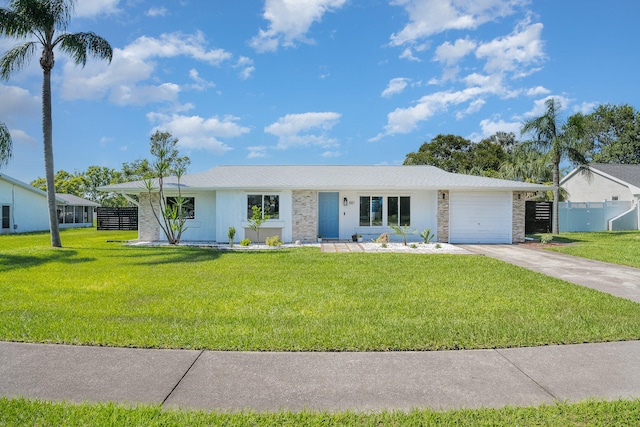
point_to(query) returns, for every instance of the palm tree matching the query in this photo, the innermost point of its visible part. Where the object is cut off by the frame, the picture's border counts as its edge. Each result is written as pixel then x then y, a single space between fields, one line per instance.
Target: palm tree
pixel 560 141
pixel 43 24
pixel 6 145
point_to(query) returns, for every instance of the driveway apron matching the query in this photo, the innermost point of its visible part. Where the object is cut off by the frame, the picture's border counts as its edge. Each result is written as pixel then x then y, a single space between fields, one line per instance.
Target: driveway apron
pixel 614 279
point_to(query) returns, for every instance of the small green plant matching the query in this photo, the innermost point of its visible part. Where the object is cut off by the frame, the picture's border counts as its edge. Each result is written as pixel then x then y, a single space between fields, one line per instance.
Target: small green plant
pixel 414 246
pixel 546 238
pixel 438 245
pixel 257 219
pixel 427 235
pixel 231 234
pixel 384 245
pixel 402 231
pixel 245 242
pixel 273 241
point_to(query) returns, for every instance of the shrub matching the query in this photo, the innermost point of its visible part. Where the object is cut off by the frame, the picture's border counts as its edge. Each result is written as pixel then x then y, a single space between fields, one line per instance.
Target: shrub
pixel 438 245
pixel 384 245
pixel 231 234
pixel 402 231
pixel 245 242
pixel 273 241
pixel 414 246
pixel 546 238
pixel 427 235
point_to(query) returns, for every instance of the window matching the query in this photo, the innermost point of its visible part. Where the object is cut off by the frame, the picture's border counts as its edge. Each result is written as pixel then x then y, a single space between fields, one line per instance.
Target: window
pixel 6 218
pixel 398 211
pixel 188 207
pixel 269 203
pixel 370 211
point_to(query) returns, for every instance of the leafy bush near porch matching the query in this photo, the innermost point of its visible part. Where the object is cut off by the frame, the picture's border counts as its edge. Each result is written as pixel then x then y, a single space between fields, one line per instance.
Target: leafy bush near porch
pixel 103 293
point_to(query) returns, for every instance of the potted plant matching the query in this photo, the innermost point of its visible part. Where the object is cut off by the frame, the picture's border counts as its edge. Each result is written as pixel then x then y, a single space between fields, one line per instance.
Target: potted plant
pixel 354 237
pixel 359 238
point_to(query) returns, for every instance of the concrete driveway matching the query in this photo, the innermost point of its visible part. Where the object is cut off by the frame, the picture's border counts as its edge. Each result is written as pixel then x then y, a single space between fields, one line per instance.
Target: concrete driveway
pixel 614 279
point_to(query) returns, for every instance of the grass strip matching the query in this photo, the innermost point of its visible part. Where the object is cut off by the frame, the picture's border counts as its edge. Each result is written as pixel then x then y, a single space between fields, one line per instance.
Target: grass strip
pixel 21 412
pixel 95 292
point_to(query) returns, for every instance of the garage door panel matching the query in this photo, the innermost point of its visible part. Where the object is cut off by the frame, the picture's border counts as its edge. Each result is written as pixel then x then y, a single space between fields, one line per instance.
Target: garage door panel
pixel 480 217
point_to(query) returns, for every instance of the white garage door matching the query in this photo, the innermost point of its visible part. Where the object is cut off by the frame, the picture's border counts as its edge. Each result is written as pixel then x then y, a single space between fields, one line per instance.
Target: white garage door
pixel 480 217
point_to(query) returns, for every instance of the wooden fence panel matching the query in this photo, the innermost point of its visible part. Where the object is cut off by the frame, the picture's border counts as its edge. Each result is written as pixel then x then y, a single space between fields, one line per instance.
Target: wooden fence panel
pixel 117 218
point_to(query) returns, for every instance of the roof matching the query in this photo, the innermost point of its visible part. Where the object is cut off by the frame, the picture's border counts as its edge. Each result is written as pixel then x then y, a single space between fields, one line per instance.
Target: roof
pixel 62 199
pixel 331 177
pixel 627 173
pixel 70 199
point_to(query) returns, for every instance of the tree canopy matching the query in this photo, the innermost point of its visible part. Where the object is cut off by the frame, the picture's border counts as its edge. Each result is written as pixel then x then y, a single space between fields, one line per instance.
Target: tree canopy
pixel 613 134
pixel 6 145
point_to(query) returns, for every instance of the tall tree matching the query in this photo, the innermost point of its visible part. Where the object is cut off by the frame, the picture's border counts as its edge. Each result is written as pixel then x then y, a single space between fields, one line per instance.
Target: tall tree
pixel 449 152
pixel 42 24
pixel 613 134
pixel 6 145
pixel 560 141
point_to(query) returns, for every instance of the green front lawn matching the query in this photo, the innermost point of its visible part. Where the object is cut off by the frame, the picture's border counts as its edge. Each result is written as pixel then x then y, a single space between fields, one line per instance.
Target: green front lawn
pixel 103 293
pixel 617 247
pixel 20 412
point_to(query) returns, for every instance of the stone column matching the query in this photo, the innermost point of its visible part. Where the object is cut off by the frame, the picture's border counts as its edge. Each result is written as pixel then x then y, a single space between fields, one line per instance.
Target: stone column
pixel 148 227
pixel 443 216
pixel 305 216
pixel 518 217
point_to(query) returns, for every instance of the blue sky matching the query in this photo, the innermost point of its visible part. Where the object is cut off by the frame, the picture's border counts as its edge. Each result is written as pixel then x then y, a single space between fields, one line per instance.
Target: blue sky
pixel 317 81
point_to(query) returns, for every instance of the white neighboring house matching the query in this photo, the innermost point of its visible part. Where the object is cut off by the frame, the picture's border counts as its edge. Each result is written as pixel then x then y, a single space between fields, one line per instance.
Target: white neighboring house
pixel 24 208
pixel 337 202
pixel 605 197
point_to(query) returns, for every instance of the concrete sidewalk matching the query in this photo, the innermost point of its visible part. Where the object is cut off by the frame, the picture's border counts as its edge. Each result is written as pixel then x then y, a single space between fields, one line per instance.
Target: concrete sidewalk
pixel 232 381
pixel 614 279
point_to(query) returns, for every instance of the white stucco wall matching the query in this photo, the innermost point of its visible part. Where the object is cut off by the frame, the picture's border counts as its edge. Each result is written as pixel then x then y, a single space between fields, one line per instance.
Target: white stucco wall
pixel 28 209
pixel 231 210
pixel 596 189
pixel 423 214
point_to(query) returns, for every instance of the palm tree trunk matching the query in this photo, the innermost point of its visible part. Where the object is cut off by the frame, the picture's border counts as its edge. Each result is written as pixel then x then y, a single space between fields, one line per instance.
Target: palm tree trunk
pixel 556 194
pixel 47 130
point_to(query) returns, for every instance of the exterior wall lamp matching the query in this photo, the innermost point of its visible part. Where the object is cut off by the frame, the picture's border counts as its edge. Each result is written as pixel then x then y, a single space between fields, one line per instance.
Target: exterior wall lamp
pixel 345 202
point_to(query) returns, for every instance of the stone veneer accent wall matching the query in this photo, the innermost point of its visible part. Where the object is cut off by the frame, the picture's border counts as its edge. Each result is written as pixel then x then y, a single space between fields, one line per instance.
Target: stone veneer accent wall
pixel 443 216
pixel 148 227
pixel 305 216
pixel 518 217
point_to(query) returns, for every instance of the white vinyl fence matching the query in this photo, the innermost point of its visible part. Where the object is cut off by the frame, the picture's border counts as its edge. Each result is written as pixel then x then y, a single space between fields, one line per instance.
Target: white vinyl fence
pixel 597 216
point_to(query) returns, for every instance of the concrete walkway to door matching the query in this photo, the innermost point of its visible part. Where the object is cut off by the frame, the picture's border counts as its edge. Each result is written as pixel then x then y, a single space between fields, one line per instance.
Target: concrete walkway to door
pixel 614 279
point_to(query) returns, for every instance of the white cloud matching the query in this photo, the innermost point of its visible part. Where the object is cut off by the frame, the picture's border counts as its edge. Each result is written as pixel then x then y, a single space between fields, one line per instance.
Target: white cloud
pixel 257 152
pixel 123 79
pixel 200 83
pixel 450 54
pixel 521 48
pixel 474 107
pixel 90 8
pixel 585 107
pixel 17 102
pixel 331 154
pixel 18 136
pixel 157 11
pixel 195 132
pixel 405 120
pixel 537 91
pixel 395 86
pixel 490 127
pixel 246 67
pixel 429 17
pixel 296 129
pixel 290 21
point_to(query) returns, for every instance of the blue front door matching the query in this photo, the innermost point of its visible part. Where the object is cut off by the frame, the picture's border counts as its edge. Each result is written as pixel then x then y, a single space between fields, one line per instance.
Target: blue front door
pixel 329 215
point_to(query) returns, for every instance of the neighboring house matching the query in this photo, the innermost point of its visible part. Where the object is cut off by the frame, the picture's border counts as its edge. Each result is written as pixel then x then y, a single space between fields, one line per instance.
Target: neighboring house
pixel 340 201
pixel 602 197
pixel 24 208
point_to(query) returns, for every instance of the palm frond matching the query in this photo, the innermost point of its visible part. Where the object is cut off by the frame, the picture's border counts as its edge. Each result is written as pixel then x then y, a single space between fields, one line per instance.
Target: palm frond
pixel 6 145
pixel 80 45
pixel 16 58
